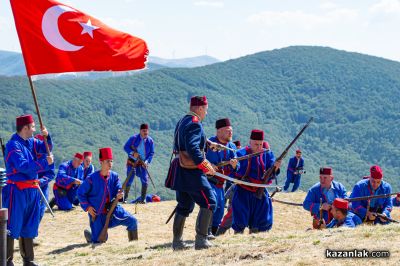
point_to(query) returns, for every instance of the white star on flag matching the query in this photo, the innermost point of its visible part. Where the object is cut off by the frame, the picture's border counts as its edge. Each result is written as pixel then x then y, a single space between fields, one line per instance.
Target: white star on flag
pixel 88 28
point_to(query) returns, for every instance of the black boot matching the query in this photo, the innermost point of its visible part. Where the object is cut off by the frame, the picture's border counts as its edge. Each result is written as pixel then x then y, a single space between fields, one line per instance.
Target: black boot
pixel 88 235
pixel 143 194
pixel 253 230
pixel 221 231
pixel 126 193
pixel 179 224
pixel 203 222
pixel 26 250
pixel 133 235
pixel 52 203
pixel 10 251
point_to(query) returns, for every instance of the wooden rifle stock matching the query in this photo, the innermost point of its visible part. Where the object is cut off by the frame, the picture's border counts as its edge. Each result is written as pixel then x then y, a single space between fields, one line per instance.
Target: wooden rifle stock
pixel 140 160
pixel 245 157
pixel 268 175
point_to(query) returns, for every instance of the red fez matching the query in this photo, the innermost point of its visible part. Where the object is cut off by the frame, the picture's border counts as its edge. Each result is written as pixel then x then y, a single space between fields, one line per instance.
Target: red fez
pixel 105 154
pixel 325 171
pixel 78 155
pixel 341 204
pixel 224 122
pixel 198 101
pixel 155 198
pixel 24 120
pixel 257 134
pixel 237 143
pixel 376 172
pixel 298 151
pixel 266 145
pixel 87 153
pixel 39 137
pixel 144 126
pixel 398 195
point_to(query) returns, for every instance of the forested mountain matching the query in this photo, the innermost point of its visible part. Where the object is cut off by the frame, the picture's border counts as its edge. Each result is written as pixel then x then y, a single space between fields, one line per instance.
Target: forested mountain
pixel 353 98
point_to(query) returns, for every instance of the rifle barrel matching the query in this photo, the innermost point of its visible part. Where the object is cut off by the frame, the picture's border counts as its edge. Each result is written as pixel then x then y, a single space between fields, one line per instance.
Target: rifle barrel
pixel 372 197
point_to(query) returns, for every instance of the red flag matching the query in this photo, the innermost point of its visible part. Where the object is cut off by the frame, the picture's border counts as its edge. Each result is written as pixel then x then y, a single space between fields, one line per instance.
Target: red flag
pixel 57 38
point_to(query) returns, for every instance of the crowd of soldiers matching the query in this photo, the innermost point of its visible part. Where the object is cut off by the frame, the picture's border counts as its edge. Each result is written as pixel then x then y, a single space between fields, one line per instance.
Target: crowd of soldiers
pixel 197 173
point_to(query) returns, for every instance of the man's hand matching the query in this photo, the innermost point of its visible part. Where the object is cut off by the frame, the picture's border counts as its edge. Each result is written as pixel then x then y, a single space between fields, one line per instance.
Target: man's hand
pixel 326 206
pixel 211 171
pixel 77 182
pixel 44 131
pixel 135 155
pixel 323 225
pixel 277 164
pixel 383 220
pixel 371 216
pixel 233 163
pixel 120 194
pixel 50 159
pixel 91 211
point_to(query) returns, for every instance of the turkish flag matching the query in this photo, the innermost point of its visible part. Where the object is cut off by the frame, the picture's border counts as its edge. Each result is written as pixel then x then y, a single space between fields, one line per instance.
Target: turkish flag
pixel 57 38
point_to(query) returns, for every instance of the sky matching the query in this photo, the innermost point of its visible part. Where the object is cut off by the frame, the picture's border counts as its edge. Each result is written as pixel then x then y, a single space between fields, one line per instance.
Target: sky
pixel 231 29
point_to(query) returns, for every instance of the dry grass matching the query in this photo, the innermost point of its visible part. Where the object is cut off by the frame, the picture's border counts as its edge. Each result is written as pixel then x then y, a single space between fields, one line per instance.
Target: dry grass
pixel 289 242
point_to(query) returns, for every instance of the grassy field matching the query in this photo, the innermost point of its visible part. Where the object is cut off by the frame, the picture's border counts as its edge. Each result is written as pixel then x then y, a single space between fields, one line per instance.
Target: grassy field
pixel 291 241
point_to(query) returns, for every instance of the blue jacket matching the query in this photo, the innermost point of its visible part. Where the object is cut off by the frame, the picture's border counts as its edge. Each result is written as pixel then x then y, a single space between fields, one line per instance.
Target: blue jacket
pixel 87 171
pixel 254 170
pixel 135 141
pixel 351 220
pixel 312 201
pixel 395 202
pixel 292 165
pixel 96 191
pixel 189 136
pixel 363 188
pixel 67 174
pixel 21 160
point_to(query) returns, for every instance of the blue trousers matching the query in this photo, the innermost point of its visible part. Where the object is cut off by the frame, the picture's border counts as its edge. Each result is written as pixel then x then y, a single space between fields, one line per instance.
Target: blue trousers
pixel 291 178
pixel 140 172
pixel 205 198
pixel 219 210
pixel 249 211
pixel 119 217
pixel 23 211
pixel 64 202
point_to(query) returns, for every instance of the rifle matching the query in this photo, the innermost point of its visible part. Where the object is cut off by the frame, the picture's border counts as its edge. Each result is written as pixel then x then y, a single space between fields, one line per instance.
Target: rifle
pixel 103 233
pixel 245 157
pixel 3 150
pixel 372 197
pixel 287 202
pixel 277 189
pixel 384 217
pixel 140 160
pixel 218 147
pixel 270 172
pixel 321 217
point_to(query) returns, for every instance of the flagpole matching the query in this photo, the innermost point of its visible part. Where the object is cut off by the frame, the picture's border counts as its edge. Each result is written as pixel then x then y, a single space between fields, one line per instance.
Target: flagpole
pixel 38 113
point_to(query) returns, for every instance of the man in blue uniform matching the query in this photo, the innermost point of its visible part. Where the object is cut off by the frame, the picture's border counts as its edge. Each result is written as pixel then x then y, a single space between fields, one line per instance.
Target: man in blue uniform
pixel 187 175
pixel 248 210
pixel 21 195
pixel 342 216
pixel 96 195
pixel 294 170
pixel 224 137
pixel 87 165
pixel 45 177
pixel 374 185
pixel 327 190
pixel 139 146
pixel 69 177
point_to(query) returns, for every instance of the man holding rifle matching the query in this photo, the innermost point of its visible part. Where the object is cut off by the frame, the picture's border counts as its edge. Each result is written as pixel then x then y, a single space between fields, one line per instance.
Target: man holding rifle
pixel 249 210
pixel 21 195
pixel 97 193
pixel 139 147
pixel 368 210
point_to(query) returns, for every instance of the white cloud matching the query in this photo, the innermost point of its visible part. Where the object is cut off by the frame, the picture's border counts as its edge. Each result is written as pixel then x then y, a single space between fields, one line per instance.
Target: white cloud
pixel 217 4
pixel 386 6
pixel 327 5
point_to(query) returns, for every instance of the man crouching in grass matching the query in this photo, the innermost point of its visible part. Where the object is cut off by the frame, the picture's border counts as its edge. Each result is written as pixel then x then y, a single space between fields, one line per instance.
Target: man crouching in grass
pixel 96 195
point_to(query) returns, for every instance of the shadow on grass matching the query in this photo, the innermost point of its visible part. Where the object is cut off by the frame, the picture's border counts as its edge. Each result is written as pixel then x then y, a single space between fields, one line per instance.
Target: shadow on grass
pixel 68 248
pixel 168 245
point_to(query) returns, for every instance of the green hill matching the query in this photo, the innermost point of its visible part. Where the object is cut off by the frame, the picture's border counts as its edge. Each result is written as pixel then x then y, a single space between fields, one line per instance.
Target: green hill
pixel 353 98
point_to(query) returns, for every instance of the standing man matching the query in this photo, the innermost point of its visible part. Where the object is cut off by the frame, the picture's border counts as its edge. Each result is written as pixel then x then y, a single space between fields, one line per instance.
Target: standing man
pixel 248 210
pixel 45 177
pixel 327 190
pixel 187 175
pixel 139 147
pixel 374 185
pixel 294 170
pixel 96 195
pixel 224 137
pixel 21 195
pixel 69 177
pixel 87 165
